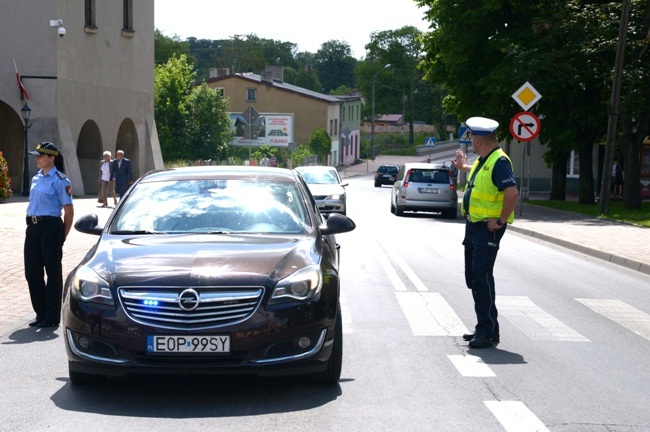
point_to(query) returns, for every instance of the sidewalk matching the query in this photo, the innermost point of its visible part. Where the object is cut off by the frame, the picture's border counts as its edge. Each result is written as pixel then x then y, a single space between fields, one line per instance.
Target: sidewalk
pixel 622 244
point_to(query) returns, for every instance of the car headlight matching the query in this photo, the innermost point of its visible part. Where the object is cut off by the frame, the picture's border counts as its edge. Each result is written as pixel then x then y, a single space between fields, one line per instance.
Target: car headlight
pixel 88 286
pixel 303 285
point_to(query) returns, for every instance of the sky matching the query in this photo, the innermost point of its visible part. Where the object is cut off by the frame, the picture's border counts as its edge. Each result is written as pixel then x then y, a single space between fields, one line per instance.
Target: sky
pixel 306 23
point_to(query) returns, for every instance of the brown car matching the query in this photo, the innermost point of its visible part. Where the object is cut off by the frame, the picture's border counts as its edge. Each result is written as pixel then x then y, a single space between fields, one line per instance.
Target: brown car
pixel 208 270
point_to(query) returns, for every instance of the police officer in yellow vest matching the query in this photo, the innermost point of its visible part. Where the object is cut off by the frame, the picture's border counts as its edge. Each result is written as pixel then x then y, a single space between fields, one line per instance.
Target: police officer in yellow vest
pixel 488 206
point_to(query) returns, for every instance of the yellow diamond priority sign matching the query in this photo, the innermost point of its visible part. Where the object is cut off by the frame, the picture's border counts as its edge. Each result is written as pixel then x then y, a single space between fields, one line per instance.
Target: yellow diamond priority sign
pixel 526 96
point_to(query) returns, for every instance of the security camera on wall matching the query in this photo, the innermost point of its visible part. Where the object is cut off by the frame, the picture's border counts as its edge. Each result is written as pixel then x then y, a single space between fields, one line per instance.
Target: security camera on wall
pixel 61 31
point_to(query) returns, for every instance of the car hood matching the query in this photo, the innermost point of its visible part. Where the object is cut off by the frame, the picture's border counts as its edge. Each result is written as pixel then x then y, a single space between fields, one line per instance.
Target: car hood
pixel 208 259
pixel 326 189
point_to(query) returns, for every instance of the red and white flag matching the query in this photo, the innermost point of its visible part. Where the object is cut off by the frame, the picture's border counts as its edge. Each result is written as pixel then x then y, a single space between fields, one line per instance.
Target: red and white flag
pixel 23 90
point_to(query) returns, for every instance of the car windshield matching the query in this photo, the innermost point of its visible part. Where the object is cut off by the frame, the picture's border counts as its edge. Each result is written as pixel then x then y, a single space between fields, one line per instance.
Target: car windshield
pixel 320 177
pixel 212 206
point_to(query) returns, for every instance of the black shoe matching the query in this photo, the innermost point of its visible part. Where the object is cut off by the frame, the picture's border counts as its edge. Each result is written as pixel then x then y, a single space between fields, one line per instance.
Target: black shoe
pixel 481 342
pixel 44 324
pixel 34 323
pixel 495 337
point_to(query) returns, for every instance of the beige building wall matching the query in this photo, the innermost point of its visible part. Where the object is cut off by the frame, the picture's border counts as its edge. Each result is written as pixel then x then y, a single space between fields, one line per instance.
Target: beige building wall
pixel 90 91
pixel 310 113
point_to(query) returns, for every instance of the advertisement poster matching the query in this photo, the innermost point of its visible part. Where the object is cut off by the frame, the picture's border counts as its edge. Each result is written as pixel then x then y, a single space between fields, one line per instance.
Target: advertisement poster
pixel 275 130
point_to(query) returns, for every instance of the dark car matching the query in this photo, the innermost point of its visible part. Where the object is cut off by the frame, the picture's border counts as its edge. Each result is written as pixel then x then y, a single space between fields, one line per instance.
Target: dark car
pixel 386 175
pixel 208 270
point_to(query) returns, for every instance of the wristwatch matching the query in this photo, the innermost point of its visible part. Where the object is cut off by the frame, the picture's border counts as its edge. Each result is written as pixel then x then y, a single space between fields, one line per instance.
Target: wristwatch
pixel 499 222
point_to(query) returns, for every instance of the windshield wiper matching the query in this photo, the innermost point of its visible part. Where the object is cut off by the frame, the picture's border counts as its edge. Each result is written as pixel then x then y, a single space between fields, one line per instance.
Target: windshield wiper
pixel 136 232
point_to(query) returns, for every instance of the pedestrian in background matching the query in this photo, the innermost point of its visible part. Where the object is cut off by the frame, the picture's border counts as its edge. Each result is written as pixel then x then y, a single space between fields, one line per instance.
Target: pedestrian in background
pixel 618 179
pixel 488 206
pixel 273 161
pixel 121 173
pixel 265 161
pixel 50 194
pixel 105 182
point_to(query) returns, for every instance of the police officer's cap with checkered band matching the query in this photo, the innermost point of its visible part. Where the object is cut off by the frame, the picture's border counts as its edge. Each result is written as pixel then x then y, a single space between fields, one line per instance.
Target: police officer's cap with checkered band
pixel 46 148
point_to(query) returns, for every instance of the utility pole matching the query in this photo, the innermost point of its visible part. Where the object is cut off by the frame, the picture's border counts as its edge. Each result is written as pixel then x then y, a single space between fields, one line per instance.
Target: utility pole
pixel 372 118
pixel 613 109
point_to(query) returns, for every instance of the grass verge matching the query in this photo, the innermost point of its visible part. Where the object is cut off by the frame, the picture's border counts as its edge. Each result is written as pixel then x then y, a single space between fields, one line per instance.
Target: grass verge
pixel 617 210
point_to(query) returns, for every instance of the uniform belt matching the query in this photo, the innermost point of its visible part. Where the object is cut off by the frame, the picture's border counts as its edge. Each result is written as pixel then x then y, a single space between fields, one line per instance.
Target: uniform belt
pixel 33 220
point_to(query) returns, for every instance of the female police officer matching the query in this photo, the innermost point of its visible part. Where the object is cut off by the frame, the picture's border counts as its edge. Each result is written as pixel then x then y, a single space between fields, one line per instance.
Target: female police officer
pixel 50 192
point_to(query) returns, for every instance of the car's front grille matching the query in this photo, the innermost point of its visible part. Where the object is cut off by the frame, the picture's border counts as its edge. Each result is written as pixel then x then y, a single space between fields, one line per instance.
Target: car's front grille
pixel 190 308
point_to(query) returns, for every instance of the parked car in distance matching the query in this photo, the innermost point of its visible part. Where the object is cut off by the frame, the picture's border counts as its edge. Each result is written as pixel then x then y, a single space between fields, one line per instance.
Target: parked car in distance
pixel 386 175
pixel 424 187
pixel 208 269
pixel 326 186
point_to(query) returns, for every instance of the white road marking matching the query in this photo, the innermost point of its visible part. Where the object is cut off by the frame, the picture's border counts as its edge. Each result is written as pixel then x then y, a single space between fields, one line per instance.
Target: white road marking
pixel 471 366
pixel 532 320
pixel 515 416
pixel 621 313
pixel 408 271
pixel 390 271
pixel 429 314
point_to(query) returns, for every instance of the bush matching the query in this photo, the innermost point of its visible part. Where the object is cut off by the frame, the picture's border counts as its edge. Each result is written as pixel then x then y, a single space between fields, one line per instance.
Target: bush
pixel 5 180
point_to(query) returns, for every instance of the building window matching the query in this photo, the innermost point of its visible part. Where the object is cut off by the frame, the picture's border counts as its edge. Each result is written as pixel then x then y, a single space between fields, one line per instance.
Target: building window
pixel 251 95
pixel 336 126
pixel 89 13
pixel 221 91
pixel 127 15
pixel 573 165
pixel 331 127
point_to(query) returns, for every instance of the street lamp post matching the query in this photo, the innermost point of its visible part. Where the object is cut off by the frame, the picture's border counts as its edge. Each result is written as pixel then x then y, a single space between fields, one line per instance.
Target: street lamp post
pixel 26 111
pixel 372 118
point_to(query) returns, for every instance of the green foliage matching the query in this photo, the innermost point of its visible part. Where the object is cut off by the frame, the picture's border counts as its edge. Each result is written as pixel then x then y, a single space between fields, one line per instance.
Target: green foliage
pixel 307 78
pixel 192 122
pixel 166 47
pixel 5 180
pixel 320 143
pixel 335 65
pixel 208 123
pixel 301 153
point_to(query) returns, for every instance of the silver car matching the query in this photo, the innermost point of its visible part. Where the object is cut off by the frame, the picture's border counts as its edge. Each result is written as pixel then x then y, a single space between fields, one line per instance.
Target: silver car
pixel 424 187
pixel 326 187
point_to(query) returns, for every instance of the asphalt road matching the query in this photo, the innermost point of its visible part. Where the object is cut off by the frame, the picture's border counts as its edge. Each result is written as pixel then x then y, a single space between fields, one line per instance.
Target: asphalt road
pixel 575 339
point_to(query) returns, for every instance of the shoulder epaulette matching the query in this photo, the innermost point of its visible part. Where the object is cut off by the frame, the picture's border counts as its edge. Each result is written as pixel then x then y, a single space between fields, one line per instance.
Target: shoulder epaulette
pixel 61 175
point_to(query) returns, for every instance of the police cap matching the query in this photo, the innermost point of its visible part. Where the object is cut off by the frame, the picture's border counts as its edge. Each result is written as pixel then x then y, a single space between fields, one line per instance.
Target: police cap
pixel 481 125
pixel 45 148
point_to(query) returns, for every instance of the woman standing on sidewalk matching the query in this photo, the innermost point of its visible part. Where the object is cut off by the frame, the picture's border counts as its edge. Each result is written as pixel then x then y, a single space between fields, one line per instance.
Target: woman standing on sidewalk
pixel 105 183
pixel 50 193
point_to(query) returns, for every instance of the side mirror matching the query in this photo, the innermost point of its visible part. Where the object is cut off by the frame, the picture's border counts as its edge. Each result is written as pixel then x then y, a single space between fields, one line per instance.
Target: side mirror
pixel 88 224
pixel 337 223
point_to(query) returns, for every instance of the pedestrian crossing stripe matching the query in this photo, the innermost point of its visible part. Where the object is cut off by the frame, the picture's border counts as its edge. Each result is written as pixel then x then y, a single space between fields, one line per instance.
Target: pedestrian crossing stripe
pixel 515 416
pixel 621 313
pixel 428 314
pixel 471 366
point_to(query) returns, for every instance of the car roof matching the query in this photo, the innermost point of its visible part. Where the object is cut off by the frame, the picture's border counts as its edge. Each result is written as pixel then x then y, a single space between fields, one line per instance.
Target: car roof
pixel 424 165
pixel 230 172
pixel 315 168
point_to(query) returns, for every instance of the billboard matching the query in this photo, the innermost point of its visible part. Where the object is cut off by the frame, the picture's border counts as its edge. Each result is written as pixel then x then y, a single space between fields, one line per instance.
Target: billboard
pixel 275 130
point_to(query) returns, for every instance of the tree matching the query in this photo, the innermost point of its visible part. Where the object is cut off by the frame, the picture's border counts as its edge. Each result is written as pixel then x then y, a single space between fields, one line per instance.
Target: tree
pixel 395 91
pixel 209 129
pixel 173 82
pixel 307 78
pixel 335 65
pixel 484 51
pixel 166 47
pixel 320 144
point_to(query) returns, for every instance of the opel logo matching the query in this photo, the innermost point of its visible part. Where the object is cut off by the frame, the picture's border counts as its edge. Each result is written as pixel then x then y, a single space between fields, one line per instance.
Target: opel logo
pixel 188 300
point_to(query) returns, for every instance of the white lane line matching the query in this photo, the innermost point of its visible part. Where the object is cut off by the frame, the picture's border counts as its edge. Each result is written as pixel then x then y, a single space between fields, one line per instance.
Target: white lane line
pixel 471 366
pixel 345 314
pixel 429 314
pixel 390 271
pixel 408 271
pixel 532 320
pixel 514 416
pixel 621 313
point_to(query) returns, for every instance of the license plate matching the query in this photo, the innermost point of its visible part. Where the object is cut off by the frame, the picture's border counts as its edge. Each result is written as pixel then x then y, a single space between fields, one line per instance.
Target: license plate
pixel 429 190
pixel 188 344
pixel 387 175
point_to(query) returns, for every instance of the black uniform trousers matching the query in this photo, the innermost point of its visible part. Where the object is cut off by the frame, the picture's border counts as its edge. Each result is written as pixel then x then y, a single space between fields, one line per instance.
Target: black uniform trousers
pixel 481 247
pixel 43 253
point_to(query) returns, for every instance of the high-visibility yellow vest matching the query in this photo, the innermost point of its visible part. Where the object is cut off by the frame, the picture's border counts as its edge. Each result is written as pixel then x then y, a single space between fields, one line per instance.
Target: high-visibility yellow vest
pixel 485 199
